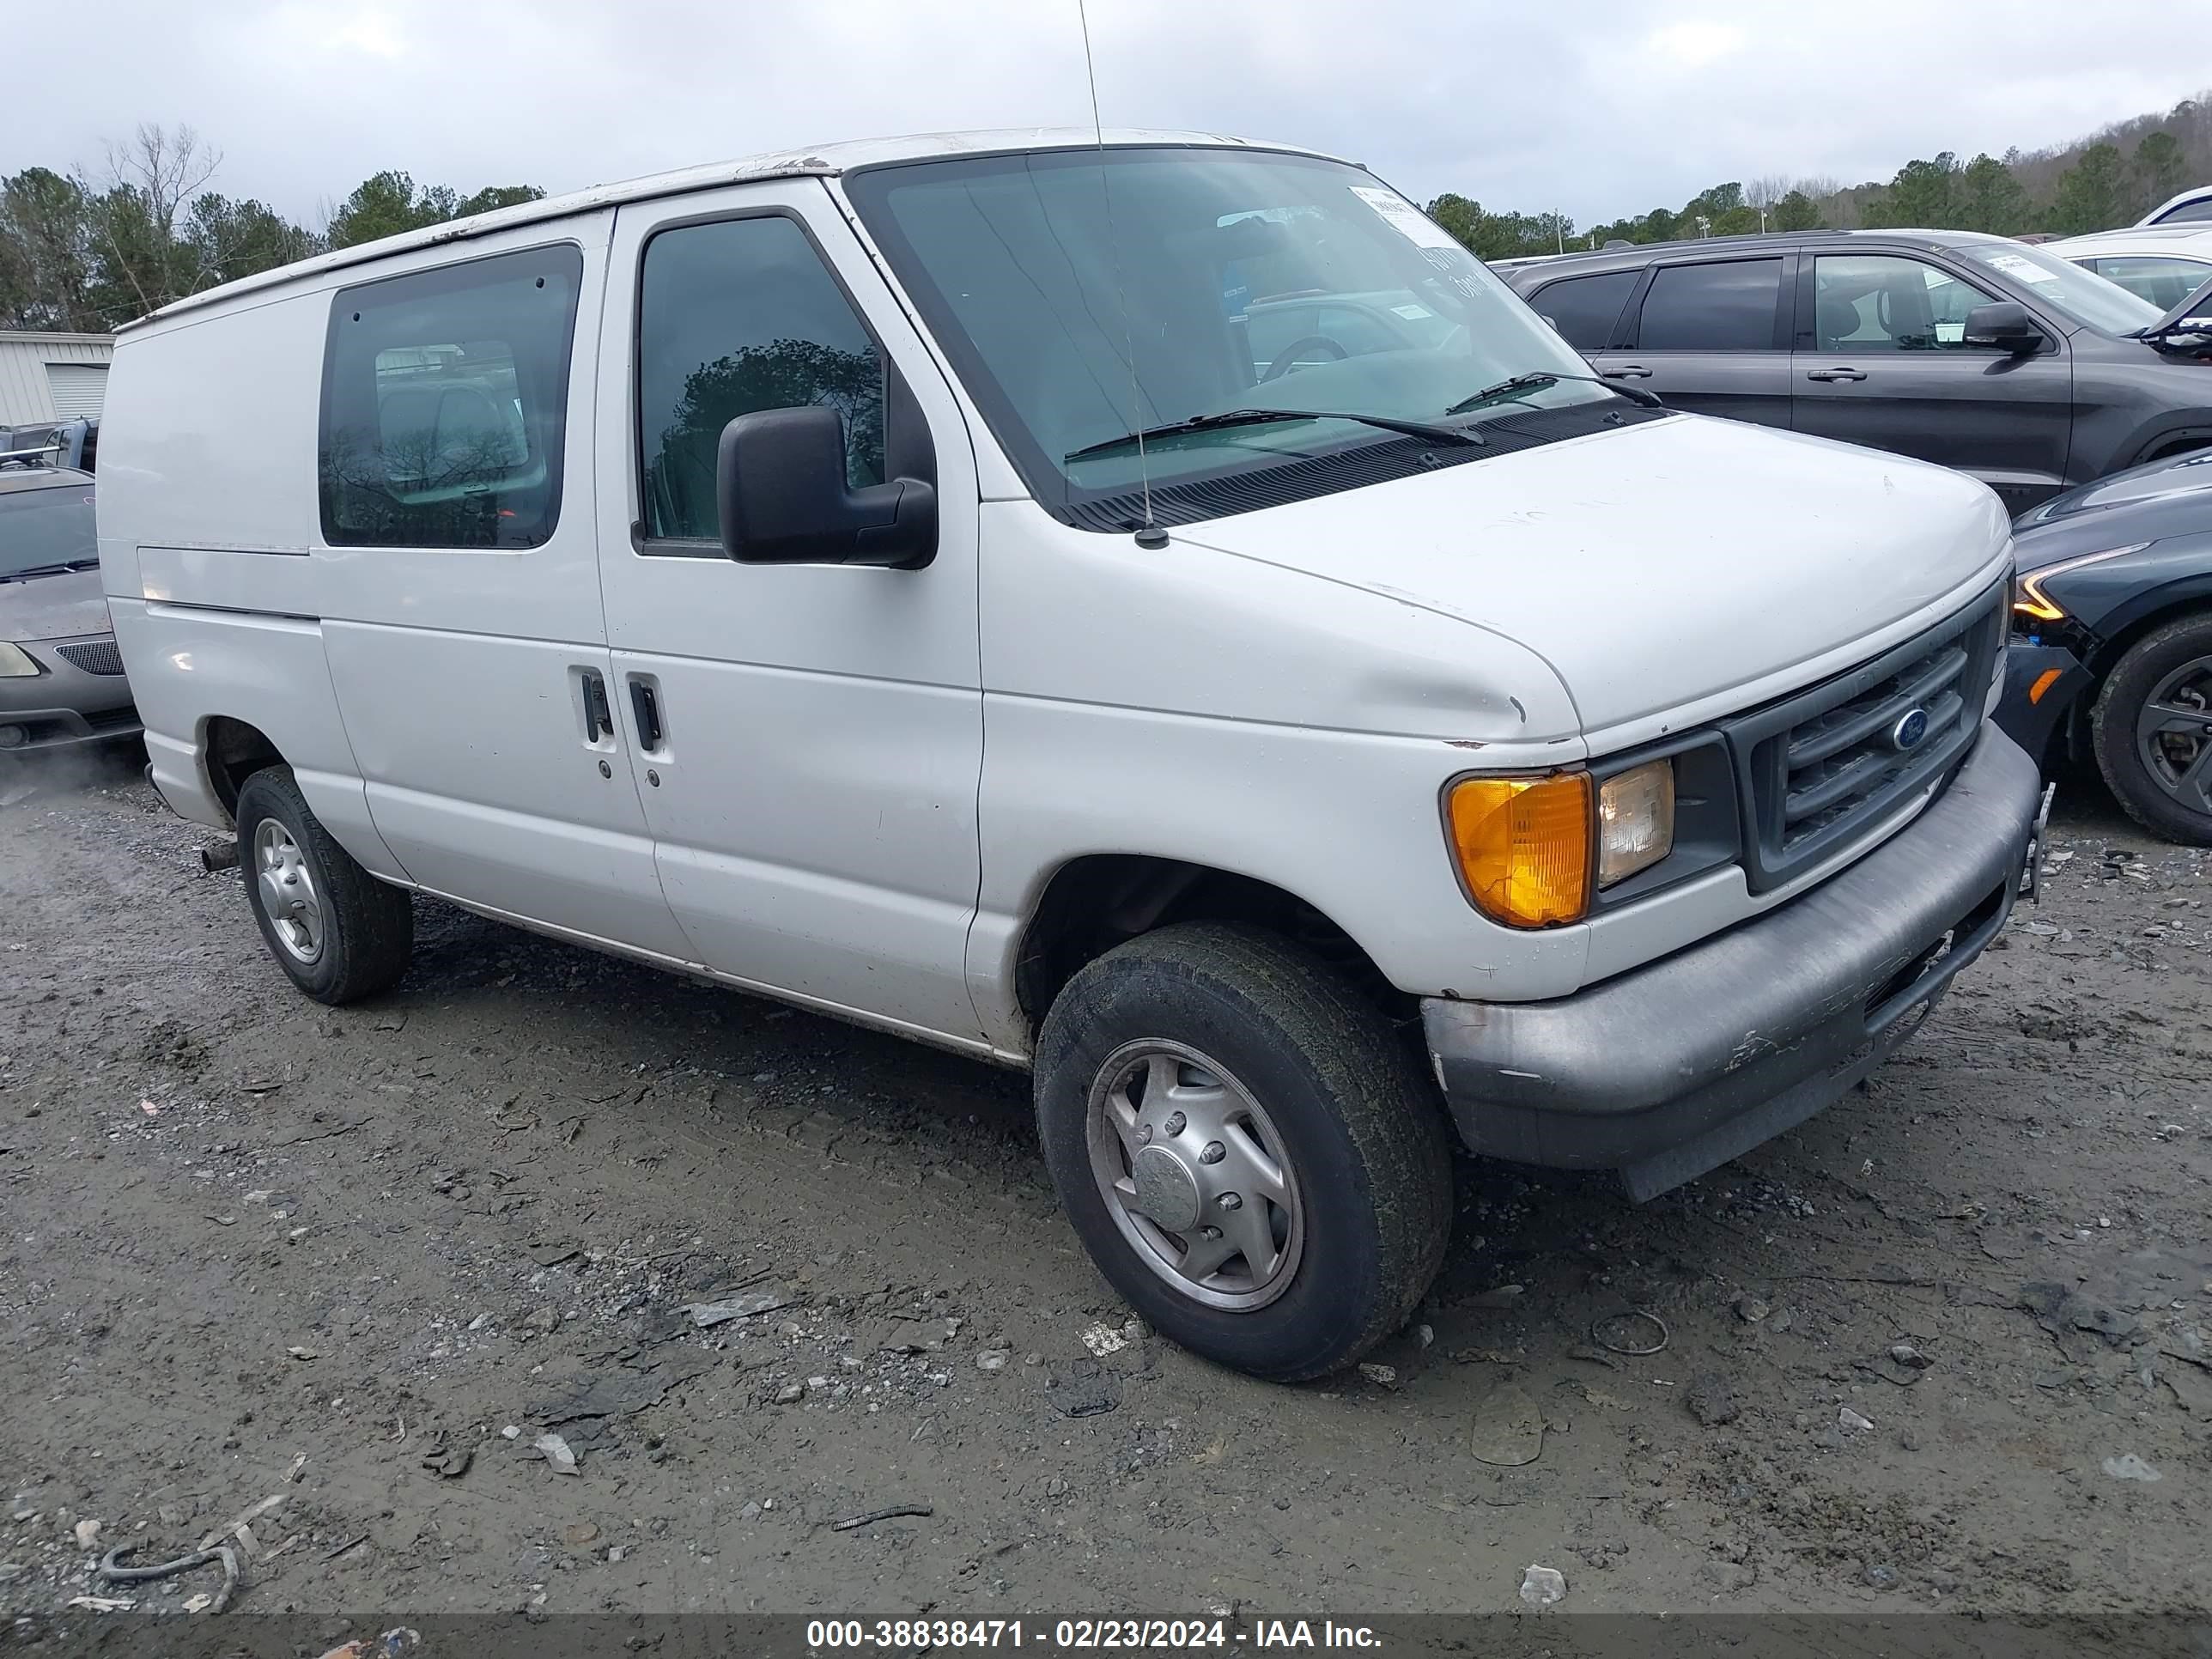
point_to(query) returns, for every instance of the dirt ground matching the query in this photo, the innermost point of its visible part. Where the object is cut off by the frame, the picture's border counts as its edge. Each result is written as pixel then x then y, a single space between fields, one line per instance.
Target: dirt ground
pixel 1944 1345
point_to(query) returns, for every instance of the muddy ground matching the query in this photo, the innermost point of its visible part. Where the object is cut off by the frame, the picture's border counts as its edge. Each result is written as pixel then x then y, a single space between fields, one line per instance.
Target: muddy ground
pixel 358 1261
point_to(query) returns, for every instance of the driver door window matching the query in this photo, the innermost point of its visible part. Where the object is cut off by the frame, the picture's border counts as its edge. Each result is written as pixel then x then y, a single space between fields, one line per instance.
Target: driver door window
pixel 1884 302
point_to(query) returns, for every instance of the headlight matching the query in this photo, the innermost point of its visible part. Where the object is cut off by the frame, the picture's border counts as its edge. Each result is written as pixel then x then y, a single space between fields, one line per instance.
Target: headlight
pixel 1532 850
pixel 15 663
pixel 1635 821
pixel 2028 598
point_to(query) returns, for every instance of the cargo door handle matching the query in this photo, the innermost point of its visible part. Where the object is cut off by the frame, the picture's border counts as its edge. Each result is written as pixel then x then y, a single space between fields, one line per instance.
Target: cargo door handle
pixel 1835 375
pixel 647 706
pixel 1627 371
pixel 598 718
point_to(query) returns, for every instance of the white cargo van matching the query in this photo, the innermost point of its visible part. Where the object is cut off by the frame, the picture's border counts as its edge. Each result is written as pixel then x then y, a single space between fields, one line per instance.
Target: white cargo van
pixel 888 578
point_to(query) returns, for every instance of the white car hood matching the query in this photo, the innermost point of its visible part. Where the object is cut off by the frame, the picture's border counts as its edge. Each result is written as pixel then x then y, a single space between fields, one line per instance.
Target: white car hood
pixel 1667 571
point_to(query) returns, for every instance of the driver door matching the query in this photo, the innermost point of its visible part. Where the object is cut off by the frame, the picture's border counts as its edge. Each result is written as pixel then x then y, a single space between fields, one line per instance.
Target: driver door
pixel 1881 359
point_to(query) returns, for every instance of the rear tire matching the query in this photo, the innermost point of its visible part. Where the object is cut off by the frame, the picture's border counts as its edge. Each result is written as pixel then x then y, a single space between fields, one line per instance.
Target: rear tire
pixel 2159 763
pixel 338 932
pixel 1206 1063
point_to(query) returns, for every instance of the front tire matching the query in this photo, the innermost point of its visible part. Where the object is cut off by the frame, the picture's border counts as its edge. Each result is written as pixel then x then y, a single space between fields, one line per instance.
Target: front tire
pixel 338 932
pixel 2152 730
pixel 1245 1147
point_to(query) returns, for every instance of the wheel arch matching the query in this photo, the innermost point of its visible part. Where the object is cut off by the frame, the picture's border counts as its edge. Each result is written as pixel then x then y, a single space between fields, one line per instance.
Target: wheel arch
pixel 1094 901
pixel 232 750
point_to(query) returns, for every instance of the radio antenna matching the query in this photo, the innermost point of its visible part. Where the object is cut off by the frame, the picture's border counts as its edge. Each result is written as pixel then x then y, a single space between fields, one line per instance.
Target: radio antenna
pixel 1151 536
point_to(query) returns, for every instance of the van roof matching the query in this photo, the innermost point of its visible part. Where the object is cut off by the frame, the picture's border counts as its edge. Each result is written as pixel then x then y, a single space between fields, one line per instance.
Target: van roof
pixel 820 161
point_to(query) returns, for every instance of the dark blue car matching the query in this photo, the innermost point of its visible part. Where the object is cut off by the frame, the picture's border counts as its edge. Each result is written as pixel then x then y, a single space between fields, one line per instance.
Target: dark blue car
pixel 2112 646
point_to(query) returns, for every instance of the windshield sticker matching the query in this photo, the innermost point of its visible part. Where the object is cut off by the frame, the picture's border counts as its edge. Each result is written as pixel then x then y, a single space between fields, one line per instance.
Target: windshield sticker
pixel 1402 217
pixel 1412 313
pixel 2026 269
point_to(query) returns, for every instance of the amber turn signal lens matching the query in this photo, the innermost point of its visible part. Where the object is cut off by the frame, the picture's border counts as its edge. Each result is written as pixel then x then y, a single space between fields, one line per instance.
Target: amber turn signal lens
pixel 1523 845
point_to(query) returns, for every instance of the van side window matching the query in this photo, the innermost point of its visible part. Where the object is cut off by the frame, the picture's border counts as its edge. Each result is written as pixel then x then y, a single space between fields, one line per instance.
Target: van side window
pixel 736 316
pixel 445 403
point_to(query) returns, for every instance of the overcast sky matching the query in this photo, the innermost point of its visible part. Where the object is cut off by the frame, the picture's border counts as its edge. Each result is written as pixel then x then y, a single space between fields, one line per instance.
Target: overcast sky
pixel 1596 107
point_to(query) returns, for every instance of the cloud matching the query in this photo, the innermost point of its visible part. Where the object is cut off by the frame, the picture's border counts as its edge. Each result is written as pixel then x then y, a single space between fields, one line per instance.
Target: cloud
pixel 1693 45
pixel 1582 109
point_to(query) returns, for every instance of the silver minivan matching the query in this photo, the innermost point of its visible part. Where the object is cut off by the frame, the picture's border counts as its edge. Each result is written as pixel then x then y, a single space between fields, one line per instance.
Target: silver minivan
pixel 900 578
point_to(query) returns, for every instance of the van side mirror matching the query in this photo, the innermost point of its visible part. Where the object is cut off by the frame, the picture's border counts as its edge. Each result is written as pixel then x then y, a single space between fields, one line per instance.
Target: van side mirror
pixel 2005 324
pixel 780 482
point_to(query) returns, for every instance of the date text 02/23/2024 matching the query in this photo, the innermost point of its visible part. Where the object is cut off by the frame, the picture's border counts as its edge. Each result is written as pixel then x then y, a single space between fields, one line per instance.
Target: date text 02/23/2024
pixel 1086 1635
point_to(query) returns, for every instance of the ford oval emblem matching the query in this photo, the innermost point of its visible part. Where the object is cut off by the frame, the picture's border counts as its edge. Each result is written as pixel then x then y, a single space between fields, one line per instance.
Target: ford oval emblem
pixel 1911 730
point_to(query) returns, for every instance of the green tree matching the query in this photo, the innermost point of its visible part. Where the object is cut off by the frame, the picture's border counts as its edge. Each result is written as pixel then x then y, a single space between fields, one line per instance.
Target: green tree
pixel 229 239
pixel 1458 214
pixel 498 195
pixel 2158 169
pixel 388 204
pixel 1795 211
pixel 1921 196
pixel 1988 198
pixel 45 254
pixel 2092 193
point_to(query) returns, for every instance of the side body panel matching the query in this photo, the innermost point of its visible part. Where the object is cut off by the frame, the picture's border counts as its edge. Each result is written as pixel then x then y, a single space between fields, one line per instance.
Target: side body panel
pixel 812 791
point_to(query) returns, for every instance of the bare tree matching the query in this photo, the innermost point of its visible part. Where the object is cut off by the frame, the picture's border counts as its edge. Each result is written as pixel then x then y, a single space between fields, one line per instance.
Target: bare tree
pixel 1762 194
pixel 149 183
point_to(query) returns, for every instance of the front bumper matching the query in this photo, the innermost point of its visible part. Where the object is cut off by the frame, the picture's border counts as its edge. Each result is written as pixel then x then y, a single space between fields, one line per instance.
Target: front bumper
pixel 63 705
pixel 2042 683
pixel 1673 1068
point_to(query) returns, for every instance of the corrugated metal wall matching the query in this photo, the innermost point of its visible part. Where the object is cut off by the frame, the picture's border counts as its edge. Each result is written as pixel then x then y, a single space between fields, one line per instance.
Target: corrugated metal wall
pixel 26 392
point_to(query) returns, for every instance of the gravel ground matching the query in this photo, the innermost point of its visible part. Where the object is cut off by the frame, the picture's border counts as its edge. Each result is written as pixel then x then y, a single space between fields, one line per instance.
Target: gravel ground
pixel 1944 1345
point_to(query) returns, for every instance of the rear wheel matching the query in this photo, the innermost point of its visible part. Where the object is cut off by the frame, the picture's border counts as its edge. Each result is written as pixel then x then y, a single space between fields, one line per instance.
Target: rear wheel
pixel 2152 730
pixel 1246 1149
pixel 339 933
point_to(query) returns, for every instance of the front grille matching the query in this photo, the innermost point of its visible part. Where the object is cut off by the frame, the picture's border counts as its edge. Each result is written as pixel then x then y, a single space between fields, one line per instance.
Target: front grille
pixel 93 656
pixel 1823 768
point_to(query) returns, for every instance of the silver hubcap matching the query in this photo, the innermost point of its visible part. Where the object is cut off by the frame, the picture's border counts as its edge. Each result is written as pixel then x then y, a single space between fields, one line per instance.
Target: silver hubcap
pixel 1195 1175
pixel 289 897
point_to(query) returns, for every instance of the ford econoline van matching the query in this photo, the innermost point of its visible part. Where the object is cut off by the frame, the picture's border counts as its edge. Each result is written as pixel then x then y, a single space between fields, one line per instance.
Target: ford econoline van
pixel 905 579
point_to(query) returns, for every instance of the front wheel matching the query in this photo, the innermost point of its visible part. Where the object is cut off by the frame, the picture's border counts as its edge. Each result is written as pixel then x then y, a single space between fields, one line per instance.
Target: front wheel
pixel 339 933
pixel 2152 730
pixel 1246 1149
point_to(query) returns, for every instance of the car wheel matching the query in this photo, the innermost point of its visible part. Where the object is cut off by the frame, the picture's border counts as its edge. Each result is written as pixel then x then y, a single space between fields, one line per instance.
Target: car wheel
pixel 1246 1148
pixel 2152 730
pixel 340 933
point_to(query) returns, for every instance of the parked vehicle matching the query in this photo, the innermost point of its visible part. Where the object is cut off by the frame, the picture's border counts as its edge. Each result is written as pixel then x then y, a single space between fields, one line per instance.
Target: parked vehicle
pixel 2164 265
pixel 71 443
pixel 61 678
pixel 2111 651
pixel 1429 736
pixel 2190 207
pixel 1976 352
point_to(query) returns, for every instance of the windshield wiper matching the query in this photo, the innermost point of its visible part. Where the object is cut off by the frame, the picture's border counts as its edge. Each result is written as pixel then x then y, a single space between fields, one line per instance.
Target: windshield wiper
pixel 1428 429
pixel 1635 394
pixel 61 569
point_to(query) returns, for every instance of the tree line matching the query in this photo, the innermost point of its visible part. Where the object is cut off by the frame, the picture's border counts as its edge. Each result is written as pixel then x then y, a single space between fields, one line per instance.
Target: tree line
pixel 84 252
pixel 2110 179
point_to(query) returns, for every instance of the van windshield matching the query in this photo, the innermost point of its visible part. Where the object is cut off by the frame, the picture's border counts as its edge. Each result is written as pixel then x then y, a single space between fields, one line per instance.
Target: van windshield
pixel 1086 294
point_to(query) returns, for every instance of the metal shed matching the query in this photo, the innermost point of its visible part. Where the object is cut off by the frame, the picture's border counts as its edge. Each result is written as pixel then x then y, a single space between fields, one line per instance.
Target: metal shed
pixel 48 377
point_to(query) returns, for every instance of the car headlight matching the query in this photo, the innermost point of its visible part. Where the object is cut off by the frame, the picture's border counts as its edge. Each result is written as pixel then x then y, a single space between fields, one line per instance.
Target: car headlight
pixel 1635 820
pixel 15 662
pixel 2028 598
pixel 1532 850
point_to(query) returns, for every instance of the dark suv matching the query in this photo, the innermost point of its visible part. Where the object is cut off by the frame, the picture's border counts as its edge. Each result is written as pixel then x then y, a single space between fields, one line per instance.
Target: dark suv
pixel 1977 352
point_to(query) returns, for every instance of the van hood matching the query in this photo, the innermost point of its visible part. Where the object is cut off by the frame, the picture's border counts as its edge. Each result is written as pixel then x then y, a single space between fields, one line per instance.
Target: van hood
pixel 1658 568
pixel 61 607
